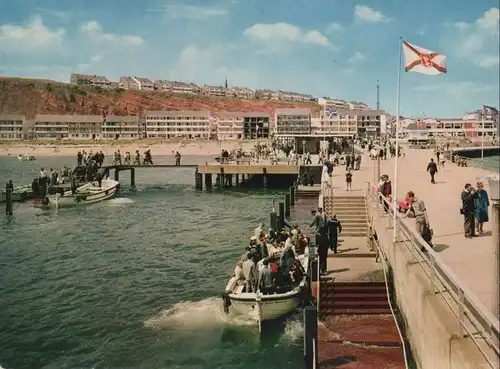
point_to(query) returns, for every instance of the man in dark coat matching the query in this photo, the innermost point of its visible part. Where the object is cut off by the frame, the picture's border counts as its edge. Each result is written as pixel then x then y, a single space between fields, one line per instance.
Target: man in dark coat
pixel 432 169
pixel 334 228
pixel 468 209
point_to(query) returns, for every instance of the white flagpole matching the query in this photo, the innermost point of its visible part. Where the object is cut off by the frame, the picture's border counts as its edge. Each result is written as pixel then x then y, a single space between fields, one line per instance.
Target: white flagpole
pixel 395 193
pixel 482 136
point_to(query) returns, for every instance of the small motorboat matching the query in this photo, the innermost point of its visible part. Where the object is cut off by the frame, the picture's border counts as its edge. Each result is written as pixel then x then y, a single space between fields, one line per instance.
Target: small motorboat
pixel 89 193
pixel 261 307
pixel 26 157
pixel 20 193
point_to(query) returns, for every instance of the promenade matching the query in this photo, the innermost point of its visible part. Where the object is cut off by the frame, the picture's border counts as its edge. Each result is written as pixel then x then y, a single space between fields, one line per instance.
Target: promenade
pixel 470 259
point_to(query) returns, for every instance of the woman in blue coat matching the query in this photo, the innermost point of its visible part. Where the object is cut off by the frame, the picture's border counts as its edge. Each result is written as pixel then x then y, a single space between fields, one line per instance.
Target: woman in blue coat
pixel 482 202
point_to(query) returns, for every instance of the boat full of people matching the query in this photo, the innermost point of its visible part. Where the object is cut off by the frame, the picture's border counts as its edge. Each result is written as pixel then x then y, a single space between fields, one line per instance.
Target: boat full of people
pixel 89 193
pixel 26 157
pixel 270 279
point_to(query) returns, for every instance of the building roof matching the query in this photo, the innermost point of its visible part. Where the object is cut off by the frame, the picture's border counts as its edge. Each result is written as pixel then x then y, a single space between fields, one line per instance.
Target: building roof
pixel 293 111
pixel 9 117
pixel 69 118
pixel 143 80
pixel 179 113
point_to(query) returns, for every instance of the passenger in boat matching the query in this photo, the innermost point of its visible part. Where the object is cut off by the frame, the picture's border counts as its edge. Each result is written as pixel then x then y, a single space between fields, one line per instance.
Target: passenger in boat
pixel 297 273
pixel 244 257
pixel 255 249
pixel 286 260
pixel 273 249
pixel 73 185
pixel 265 284
pixel 249 273
pixel 238 272
pixel 258 230
pixel 35 187
pixel 263 246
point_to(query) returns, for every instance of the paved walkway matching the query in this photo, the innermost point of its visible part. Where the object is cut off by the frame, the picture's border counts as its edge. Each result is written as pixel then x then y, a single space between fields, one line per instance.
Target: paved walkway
pixel 472 260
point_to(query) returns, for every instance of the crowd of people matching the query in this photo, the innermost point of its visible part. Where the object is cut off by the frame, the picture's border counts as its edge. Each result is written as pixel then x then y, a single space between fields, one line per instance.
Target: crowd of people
pixel 269 262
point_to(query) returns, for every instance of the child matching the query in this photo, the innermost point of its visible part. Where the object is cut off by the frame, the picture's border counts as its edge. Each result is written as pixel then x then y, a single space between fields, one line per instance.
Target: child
pixel 348 180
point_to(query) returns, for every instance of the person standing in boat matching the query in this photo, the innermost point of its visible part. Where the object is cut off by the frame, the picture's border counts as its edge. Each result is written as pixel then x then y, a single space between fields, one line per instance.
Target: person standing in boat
pixel 265 283
pixel 320 221
pixel 249 273
pixel 258 230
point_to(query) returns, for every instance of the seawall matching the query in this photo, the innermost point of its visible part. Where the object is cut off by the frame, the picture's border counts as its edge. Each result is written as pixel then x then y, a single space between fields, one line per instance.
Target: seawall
pixel 476 152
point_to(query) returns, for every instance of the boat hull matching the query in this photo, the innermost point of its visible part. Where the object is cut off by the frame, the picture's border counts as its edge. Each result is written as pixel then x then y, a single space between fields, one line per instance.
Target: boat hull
pixel 271 306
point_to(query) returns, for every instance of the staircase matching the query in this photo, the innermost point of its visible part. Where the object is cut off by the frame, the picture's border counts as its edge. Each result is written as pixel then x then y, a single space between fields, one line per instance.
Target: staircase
pixel 353 298
pixel 308 191
pixel 351 212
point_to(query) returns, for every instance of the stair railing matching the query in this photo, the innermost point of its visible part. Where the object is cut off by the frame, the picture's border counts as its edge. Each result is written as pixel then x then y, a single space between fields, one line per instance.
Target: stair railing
pixel 318 283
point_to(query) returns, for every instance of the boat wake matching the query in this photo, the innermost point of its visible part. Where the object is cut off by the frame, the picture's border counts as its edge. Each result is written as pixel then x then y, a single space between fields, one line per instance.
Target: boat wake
pixel 120 201
pixel 191 315
pixel 294 331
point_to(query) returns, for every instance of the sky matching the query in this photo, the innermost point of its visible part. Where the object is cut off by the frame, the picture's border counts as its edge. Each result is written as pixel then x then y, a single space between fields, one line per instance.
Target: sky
pixel 328 48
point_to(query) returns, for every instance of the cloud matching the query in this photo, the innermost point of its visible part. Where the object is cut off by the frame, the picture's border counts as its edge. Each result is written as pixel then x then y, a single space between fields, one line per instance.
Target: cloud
pixel 192 11
pixel 456 88
pixel 94 30
pixel 334 27
pixel 284 33
pixel 32 37
pixel 480 43
pixel 356 57
pixel 367 14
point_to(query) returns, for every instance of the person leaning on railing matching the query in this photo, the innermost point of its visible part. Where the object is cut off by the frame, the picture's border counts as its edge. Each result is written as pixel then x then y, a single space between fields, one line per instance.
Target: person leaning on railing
pixel 418 211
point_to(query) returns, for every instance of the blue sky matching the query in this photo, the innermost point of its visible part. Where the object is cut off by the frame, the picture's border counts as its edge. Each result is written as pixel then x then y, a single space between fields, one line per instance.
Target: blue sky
pixel 336 48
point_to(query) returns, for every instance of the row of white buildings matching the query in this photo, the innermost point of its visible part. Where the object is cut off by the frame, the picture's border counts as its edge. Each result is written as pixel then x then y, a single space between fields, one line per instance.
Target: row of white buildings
pixel 145 84
pixel 283 122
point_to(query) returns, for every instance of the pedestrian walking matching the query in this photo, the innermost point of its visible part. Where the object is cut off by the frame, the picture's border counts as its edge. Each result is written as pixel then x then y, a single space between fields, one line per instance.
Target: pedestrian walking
pixel 334 229
pixel 432 169
pixel 348 180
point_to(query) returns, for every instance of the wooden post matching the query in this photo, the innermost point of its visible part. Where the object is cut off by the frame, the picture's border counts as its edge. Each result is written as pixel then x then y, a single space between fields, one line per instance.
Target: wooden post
pixel 208 181
pixel 310 337
pixel 292 195
pixel 132 177
pixel 237 180
pixel 274 221
pixel 117 175
pixel 264 177
pixel 8 198
pixel 198 180
pixel 287 205
pixel 281 222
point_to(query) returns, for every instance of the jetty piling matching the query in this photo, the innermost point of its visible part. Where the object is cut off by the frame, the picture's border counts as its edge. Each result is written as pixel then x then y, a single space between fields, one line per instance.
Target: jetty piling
pixel 287 205
pixel 132 177
pixel 117 175
pixel 292 195
pixel 274 221
pixel 9 188
pixel 281 222
pixel 264 177
pixel 198 180
pixel 311 337
pixel 208 181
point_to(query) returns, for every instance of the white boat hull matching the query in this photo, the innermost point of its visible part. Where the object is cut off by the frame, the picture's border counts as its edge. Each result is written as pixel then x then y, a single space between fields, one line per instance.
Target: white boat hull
pixel 26 157
pixel 271 306
pixel 87 194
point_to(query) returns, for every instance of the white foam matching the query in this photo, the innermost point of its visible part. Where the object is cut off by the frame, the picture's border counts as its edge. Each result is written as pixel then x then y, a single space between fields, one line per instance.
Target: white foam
pixel 120 201
pixel 294 331
pixel 191 315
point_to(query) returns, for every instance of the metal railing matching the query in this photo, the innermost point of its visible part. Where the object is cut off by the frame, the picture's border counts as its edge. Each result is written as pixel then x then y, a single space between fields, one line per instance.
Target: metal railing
pixel 474 320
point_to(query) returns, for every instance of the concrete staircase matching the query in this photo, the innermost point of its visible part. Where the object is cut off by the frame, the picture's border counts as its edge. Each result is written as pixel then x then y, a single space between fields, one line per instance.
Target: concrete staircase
pixel 351 212
pixel 353 298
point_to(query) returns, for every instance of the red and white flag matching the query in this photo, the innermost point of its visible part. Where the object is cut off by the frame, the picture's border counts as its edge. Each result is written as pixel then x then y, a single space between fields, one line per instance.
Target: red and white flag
pixel 420 60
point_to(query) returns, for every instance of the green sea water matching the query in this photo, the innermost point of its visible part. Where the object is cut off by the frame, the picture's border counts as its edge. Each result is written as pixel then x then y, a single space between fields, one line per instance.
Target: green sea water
pixel 133 282
pixel 490 162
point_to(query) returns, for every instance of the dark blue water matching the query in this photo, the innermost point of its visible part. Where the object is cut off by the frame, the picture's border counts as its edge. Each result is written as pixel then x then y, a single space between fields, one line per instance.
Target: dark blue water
pixel 133 282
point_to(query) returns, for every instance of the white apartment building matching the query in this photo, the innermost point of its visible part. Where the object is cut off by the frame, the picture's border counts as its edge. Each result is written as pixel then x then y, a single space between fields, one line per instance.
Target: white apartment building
pixel 128 83
pixel 172 124
pixel 230 126
pixel 76 127
pixel 467 126
pixel 213 90
pixel 292 121
pixel 267 95
pixel 334 103
pixel 358 105
pixel 121 127
pixel 177 87
pixel 12 127
pixel 90 80
pixel 144 84
pixel 240 93
pixel 294 96
pixel 342 125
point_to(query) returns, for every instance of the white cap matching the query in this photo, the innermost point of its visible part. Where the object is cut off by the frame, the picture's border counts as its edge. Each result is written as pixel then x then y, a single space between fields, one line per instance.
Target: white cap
pixel 253 238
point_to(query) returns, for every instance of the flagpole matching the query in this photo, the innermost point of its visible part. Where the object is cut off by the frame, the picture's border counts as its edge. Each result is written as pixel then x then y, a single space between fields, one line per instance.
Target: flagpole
pixel 395 194
pixel 482 137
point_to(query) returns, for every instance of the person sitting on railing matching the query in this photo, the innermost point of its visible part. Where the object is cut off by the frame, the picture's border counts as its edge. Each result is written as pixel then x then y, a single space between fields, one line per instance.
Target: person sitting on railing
pixel 419 212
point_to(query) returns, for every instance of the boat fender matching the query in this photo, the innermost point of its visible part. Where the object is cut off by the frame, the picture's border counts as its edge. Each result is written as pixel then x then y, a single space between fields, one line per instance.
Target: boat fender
pixel 226 301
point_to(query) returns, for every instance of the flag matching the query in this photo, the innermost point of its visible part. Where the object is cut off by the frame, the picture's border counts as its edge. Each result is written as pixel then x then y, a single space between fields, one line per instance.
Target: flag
pixel 212 118
pixel 420 60
pixel 330 111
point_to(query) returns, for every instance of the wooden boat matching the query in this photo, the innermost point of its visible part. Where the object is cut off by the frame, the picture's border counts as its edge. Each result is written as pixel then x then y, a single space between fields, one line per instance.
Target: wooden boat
pixel 26 157
pixel 20 193
pixel 89 193
pixel 261 307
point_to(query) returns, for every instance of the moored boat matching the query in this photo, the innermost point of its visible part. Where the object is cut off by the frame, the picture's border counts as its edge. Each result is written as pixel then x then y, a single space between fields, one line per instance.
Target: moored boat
pixel 26 157
pixel 89 193
pixel 20 193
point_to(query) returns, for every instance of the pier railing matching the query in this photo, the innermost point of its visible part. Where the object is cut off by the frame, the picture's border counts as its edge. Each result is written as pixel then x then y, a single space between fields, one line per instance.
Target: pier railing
pixel 474 320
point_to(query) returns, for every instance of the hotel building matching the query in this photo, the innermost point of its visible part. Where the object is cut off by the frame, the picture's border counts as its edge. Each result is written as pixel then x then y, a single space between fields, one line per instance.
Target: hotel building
pixel 172 124
pixel 292 122
pixel 230 126
pixel 240 93
pixel 144 84
pixel 470 125
pixel 12 127
pixel 256 125
pixel 121 127
pixel 177 87
pixel 76 127
pixel 348 123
